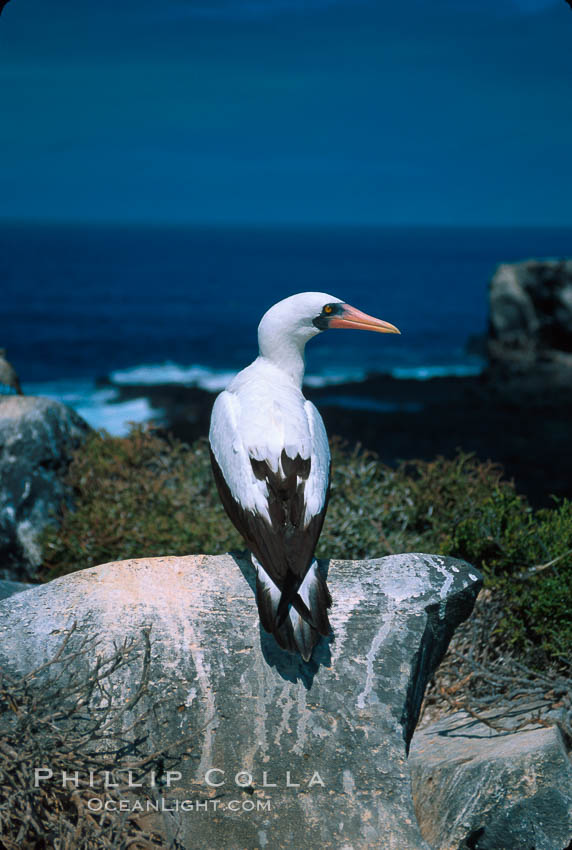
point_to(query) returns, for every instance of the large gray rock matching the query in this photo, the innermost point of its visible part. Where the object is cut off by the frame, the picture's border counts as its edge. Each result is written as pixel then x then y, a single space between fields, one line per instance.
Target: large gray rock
pixel 531 315
pixel 37 437
pixel 323 745
pixel 477 788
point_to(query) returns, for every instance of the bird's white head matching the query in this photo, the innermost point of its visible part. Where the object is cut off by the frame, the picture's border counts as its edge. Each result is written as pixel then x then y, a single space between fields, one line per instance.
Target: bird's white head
pixel 288 325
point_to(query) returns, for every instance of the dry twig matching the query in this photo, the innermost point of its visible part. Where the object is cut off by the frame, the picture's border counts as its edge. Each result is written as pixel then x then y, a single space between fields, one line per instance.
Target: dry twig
pixel 51 719
pixel 478 676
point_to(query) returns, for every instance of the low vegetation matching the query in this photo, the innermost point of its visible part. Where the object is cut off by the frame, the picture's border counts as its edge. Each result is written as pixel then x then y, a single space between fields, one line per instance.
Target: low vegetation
pixel 44 727
pixel 143 495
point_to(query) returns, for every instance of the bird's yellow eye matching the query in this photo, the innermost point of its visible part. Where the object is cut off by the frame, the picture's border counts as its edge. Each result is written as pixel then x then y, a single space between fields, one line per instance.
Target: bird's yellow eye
pixel 328 308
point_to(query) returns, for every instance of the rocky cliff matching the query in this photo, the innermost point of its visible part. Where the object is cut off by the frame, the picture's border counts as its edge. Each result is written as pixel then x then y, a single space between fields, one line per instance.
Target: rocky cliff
pixel 530 326
pixel 37 438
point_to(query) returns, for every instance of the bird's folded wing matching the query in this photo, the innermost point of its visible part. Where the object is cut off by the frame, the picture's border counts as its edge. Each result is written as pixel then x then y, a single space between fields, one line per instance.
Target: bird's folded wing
pixel 233 458
pixel 318 483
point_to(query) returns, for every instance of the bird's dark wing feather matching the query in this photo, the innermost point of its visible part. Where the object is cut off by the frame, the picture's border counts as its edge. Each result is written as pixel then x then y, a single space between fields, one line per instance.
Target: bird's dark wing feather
pixel 283 546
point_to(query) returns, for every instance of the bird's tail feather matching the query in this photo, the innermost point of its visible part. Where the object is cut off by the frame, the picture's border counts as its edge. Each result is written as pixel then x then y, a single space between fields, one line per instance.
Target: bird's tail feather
pixel 316 597
pixel 307 617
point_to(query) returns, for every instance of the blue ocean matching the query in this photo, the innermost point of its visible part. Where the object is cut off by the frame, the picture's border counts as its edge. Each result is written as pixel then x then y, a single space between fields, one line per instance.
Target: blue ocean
pixel 148 305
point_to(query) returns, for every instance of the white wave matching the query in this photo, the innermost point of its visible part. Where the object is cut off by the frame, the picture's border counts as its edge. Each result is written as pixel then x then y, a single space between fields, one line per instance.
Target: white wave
pixel 117 419
pixel 98 407
pixel 213 380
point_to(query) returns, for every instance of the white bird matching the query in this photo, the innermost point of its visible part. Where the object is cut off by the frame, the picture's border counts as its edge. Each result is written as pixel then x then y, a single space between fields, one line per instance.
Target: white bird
pixel 271 463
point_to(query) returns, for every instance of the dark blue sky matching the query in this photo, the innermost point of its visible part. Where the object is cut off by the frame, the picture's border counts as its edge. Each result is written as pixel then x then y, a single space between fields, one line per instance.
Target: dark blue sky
pixel 281 111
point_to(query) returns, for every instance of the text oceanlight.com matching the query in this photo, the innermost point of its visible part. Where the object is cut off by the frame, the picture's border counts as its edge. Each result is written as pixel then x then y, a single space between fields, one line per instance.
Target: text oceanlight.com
pixel 95 804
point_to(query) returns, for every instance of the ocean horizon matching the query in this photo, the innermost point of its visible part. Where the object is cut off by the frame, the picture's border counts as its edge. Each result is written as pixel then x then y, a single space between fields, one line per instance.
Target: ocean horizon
pixel 144 305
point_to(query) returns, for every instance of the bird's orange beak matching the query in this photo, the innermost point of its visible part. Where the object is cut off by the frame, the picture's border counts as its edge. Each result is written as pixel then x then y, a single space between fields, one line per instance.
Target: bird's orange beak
pixel 352 318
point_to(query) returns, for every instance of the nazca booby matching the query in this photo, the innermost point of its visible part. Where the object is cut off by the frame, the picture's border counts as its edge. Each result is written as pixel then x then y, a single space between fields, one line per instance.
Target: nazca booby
pixel 271 463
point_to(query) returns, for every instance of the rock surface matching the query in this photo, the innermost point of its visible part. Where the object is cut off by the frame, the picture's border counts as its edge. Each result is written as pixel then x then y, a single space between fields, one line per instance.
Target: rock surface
pixel 331 735
pixel 37 437
pixel 531 317
pixel 478 789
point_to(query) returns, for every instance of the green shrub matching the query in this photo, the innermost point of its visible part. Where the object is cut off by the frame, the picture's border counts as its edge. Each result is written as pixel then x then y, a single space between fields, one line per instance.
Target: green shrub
pixel 137 496
pixel 509 542
pixel 143 496
pixel 375 510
